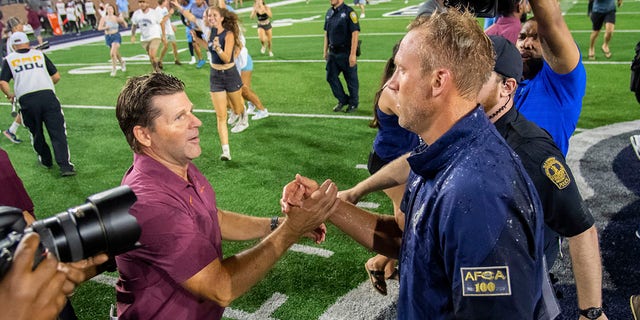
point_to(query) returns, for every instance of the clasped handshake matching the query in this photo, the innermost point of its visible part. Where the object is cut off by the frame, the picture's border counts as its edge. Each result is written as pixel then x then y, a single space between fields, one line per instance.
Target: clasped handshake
pixel 307 205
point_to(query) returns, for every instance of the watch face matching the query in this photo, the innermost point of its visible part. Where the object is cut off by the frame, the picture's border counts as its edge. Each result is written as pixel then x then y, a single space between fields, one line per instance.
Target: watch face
pixel 594 313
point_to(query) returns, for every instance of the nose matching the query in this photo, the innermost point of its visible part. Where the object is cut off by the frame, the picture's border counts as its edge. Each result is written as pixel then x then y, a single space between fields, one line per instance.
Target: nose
pixel 195 121
pixel 392 84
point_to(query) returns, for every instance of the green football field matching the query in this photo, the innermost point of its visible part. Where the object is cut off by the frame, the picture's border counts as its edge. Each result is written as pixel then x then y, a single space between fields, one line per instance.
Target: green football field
pixel 302 135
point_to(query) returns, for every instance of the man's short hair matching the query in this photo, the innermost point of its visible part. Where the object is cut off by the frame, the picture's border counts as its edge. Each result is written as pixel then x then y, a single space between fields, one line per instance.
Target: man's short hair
pixel 135 102
pixel 455 41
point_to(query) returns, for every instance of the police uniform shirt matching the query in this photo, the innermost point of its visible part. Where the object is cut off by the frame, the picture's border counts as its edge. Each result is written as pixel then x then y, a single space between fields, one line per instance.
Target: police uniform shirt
pixel 564 210
pixel 339 24
pixel 31 70
pixel 472 244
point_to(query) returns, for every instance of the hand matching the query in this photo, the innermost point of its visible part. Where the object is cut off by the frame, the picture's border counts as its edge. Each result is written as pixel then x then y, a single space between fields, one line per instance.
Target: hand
pixel 314 210
pixel 10 97
pixel 80 271
pixel 216 42
pixel 32 294
pixel 352 60
pixel 318 235
pixel 349 195
pixel 295 191
pixel 324 55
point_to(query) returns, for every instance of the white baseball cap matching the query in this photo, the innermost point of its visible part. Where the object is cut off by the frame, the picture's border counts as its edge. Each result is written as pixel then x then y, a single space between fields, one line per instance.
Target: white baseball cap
pixel 18 38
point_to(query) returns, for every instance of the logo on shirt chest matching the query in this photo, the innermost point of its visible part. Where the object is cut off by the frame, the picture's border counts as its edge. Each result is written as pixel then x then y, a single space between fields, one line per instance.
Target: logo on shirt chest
pixel 486 281
pixel 26 63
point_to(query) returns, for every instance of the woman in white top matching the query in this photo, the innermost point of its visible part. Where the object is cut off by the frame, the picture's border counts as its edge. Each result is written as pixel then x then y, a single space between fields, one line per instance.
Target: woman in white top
pixel 110 23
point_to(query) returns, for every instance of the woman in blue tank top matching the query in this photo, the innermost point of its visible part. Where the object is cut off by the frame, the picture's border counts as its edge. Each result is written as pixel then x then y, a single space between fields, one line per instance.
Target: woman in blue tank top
pixel 391 142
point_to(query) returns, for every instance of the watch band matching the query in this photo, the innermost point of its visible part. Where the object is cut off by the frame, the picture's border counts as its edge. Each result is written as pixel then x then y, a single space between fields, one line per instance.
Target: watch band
pixel 274 223
pixel 591 313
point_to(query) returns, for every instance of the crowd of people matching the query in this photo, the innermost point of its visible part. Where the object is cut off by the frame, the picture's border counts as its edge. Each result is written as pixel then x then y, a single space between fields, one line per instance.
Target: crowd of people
pixel 444 121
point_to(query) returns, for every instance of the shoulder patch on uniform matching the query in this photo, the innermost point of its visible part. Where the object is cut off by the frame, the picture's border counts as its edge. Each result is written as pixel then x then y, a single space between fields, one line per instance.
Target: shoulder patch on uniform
pixel 556 172
pixel 353 16
pixel 485 281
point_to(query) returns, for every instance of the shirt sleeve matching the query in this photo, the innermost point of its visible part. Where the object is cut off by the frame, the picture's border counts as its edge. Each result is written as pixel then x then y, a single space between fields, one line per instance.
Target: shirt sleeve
pixel 564 209
pixel 5 74
pixel 51 68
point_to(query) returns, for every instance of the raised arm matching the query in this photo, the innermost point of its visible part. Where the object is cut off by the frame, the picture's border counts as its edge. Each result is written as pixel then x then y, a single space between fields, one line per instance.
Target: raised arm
pixel 558 47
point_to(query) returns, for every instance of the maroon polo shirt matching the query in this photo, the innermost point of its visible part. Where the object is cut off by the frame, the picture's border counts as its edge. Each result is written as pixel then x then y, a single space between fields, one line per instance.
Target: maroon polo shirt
pixel 180 236
pixel 12 192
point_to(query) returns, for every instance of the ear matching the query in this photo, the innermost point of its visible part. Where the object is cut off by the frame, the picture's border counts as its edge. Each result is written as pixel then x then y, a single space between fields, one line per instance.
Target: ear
pixel 508 87
pixel 440 79
pixel 142 135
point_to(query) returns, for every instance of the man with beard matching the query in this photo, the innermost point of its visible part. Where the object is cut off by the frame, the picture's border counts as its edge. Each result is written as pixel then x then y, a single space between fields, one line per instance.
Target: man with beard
pixel 555 80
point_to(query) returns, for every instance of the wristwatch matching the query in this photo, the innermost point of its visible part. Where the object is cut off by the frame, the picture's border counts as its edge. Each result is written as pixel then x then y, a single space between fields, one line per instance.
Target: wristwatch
pixel 591 313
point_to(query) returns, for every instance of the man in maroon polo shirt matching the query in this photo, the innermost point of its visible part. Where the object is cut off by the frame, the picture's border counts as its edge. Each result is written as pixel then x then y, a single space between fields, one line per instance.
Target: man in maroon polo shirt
pixel 179 271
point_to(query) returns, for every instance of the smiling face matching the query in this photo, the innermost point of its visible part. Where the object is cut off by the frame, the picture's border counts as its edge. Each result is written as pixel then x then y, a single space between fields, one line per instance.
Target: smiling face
pixel 173 137
pixel 144 5
pixel 214 18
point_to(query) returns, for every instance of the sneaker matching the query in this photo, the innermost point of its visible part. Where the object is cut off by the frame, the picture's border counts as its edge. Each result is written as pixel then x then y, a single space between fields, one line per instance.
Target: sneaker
pixel 43 165
pixel 233 118
pixel 635 144
pixel 351 109
pixel 242 124
pixel 11 136
pixel 123 66
pixel 338 107
pixel 260 114
pixel 263 50
pixel 68 173
pixel 251 109
pixel 200 63
pixel 270 54
pixel 361 15
pixel 113 72
pixel 193 60
pixel 178 63
pixel 225 156
pixel 634 302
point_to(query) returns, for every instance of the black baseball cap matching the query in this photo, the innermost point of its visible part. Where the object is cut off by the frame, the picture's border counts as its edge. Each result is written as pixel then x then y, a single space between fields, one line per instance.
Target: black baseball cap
pixel 508 59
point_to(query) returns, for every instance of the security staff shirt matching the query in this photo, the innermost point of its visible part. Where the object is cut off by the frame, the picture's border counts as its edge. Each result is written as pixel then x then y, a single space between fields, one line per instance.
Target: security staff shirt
pixel 564 210
pixel 339 24
pixel 472 243
pixel 31 71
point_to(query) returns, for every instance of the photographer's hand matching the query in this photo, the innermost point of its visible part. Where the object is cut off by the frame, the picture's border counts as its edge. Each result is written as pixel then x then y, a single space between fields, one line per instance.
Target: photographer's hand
pixel 80 271
pixel 31 294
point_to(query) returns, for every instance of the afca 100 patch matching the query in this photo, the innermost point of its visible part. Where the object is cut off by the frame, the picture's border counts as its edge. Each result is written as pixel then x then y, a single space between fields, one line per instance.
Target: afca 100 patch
pixel 486 281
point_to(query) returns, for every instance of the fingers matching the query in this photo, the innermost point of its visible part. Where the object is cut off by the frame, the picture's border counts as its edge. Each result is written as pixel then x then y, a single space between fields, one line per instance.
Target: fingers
pixel 309 184
pixel 23 258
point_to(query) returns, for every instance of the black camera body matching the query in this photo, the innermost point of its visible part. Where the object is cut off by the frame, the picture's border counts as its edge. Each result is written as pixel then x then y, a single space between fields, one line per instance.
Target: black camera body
pixel 480 8
pixel 101 225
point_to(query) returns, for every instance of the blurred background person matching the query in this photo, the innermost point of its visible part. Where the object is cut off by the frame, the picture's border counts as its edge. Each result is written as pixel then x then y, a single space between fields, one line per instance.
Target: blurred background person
pixel 263 13
pixel 110 23
pixel 602 12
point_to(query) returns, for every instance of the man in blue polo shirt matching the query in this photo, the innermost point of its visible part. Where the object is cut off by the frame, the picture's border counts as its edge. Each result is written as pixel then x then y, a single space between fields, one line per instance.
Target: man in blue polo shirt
pixel 554 77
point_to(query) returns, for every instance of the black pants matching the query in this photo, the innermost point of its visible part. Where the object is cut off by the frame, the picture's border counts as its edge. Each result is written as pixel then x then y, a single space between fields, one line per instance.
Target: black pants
pixel 43 107
pixel 336 63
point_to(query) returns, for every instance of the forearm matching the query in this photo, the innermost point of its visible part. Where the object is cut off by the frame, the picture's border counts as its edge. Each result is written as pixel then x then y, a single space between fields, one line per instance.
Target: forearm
pixel 587 268
pixel 246 268
pixel 375 232
pixel 238 227
pixel 393 174
pixel 354 43
pixel 559 48
pixel 4 86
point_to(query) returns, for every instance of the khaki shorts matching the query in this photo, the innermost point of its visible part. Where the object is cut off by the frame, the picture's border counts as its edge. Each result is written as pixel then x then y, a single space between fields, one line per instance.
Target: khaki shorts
pixel 151 45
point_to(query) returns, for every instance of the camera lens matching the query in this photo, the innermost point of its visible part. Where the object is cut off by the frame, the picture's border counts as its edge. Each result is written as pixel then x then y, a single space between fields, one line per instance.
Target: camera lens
pixel 102 224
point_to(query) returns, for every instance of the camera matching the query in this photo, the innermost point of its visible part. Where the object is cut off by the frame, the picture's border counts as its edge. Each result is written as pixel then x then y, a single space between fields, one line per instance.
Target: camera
pixel 480 8
pixel 101 225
